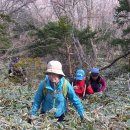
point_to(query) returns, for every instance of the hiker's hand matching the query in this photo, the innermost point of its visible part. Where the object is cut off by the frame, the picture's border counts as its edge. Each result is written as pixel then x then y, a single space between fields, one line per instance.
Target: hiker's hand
pixel 100 93
pixel 87 118
pixel 75 87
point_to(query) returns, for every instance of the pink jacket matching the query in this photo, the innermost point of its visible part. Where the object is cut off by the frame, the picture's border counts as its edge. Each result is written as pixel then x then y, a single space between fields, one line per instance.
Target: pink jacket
pixel 97 85
pixel 103 85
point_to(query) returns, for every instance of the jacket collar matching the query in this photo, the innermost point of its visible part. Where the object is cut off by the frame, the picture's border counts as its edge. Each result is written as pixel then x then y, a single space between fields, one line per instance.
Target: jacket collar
pixel 50 85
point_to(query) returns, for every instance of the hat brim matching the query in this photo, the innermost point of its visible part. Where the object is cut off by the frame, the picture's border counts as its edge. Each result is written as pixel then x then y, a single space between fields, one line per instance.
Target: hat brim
pixel 79 78
pixel 59 72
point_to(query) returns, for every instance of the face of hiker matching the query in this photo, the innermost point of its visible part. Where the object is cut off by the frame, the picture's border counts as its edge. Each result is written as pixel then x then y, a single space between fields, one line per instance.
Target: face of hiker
pixel 94 76
pixel 53 77
pixel 94 73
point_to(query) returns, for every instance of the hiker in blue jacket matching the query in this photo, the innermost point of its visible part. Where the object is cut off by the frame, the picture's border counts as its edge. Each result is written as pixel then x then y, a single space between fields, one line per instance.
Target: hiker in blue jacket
pixel 52 93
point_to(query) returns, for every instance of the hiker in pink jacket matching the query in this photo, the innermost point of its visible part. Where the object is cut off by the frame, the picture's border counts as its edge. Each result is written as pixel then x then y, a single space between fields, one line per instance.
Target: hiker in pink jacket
pixel 96 81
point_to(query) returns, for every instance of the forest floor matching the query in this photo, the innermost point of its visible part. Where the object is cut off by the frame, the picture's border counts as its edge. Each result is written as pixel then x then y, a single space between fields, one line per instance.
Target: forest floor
pixel 108 111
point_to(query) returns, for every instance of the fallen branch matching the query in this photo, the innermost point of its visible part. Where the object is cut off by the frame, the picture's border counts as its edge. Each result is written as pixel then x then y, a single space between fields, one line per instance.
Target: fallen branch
pixel 115 61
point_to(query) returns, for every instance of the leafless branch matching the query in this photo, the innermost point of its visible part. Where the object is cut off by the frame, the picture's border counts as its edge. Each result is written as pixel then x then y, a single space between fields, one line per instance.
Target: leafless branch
pixel 23 5
pixel 123 56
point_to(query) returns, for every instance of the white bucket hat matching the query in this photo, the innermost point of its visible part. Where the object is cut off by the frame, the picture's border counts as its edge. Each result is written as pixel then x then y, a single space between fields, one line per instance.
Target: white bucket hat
pixel 54 67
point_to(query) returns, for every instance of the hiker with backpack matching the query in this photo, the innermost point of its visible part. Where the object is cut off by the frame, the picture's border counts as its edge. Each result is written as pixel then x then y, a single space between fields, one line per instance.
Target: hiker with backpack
pixel 52 94
pixel 81 87
pixel 79 84
pixel 95 82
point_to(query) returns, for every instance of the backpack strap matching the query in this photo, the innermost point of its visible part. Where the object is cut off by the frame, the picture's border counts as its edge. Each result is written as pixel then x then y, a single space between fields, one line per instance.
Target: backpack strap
pixel 44 89
pixel 64 89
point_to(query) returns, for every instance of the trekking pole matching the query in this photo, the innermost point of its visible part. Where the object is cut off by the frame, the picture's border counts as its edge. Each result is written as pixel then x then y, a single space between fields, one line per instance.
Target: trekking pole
pixel 72 84
pixel 84 90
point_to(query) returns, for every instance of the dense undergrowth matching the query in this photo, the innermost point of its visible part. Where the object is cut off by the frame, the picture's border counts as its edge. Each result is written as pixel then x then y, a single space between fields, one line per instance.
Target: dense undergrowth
pixel 109 111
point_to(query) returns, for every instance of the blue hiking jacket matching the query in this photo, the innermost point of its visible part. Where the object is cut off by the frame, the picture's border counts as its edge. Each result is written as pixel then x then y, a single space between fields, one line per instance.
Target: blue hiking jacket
pixel 60 104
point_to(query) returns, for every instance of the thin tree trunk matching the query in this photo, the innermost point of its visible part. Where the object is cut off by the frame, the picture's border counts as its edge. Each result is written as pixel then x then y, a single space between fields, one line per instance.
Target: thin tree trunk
pixel 128 1
pixel 82 54
pixel 69 57
pixel 94 50
pixel 77 51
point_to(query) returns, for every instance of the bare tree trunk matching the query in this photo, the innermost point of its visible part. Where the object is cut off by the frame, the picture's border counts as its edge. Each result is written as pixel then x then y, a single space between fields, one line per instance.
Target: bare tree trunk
pixel 94 50
pixel 68 56
pixel 129 62
pixel 82 54
pixel 77 51
pixel 129 9
pixel 89 8
pixel 128 1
